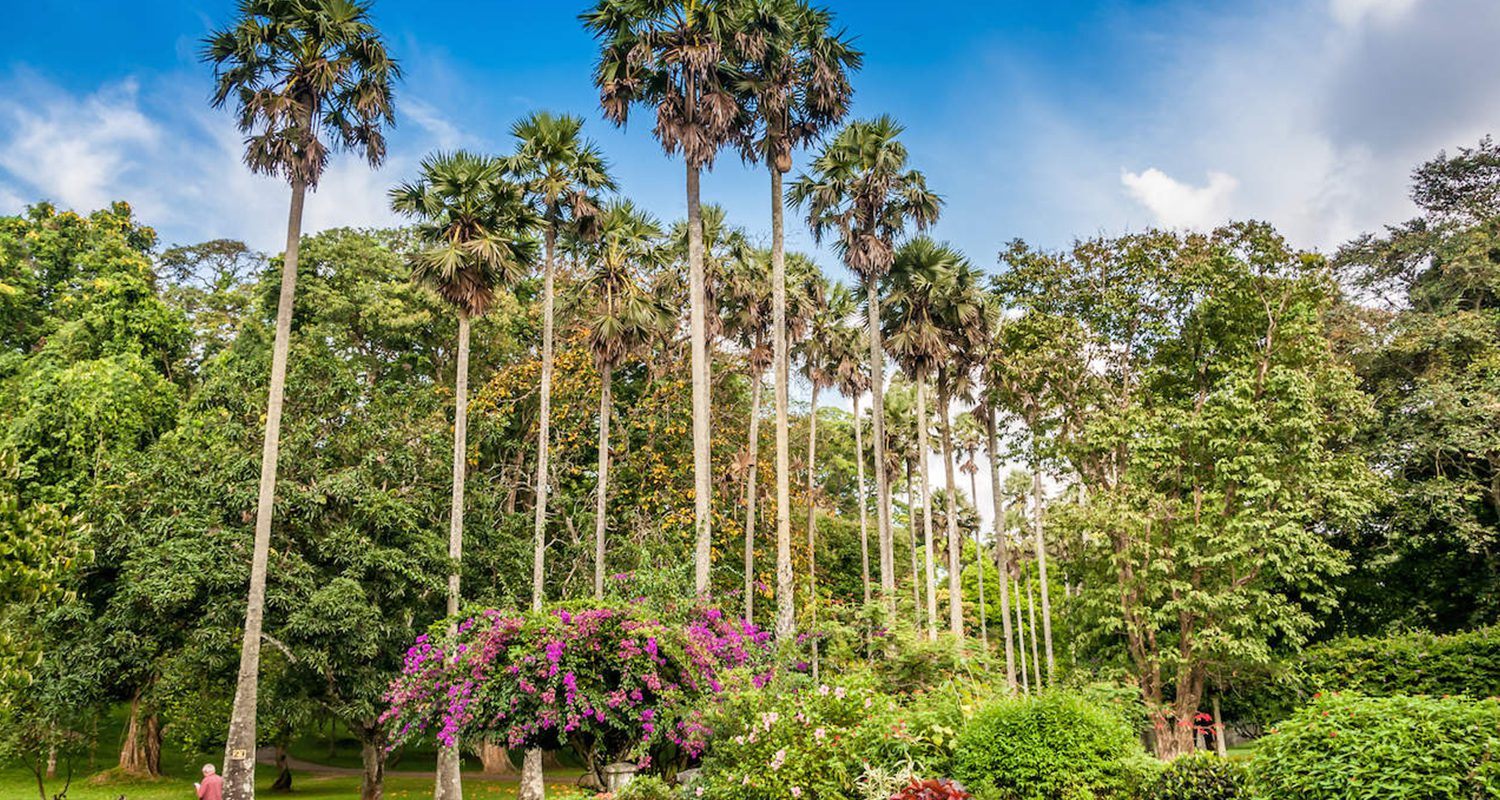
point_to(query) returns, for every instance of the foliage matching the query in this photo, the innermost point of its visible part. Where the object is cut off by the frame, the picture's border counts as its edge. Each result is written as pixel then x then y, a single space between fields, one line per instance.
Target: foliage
pixel 1346 746
pixel 931 789
pixel 1054 747
pixel 647 787
pixel 610 683
pixel 1201 776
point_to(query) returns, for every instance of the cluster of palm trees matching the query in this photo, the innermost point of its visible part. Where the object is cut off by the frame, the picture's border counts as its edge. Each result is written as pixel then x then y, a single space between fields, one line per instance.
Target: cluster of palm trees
pixel 761 77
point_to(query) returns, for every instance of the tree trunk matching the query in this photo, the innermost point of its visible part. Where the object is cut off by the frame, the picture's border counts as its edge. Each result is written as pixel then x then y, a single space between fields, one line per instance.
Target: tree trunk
pixel 283 782
pixel 372 776
pixel 979 559
pixel 786 620
pixel 1002 548
pixel 543 436
pixel 1041 565
pixel 812 526
pixel 1220 746
pixel 925 490
pixel 496 759
pixel 1021 641
pixel 239 744
pixel 151 746
pixel 751 478
pixel 955 544
pixel 448 783
pixel 864 531
pixel 1036 660
pixel 51 770
pixel 882 484
pixel 531 786
pixel 916 564
pixel 601 502
pixel 132 759
pixel 698 323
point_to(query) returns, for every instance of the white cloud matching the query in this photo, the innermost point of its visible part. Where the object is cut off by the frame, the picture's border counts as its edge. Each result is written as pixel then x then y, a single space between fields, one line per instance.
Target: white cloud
pixel 179 163
pixel 1351 13
pixel 1178 205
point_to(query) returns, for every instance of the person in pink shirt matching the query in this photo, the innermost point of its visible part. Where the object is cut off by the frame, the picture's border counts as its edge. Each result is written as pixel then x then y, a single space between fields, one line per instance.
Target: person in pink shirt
pixel 212 786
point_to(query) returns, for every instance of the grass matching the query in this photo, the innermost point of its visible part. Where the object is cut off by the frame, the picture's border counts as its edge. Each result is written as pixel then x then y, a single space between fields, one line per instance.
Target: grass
pixel 18 784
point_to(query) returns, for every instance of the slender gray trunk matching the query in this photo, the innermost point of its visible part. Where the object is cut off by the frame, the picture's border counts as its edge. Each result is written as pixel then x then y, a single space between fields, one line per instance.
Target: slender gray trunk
pixel 601 503
pixel 1041 565
pixel 239 745
pixel 1002 547
pixel 882 484
pixel 925 490
pixel 544 434
pixel 1219 745
pixel 751 486
pixel 1036 659
pixel 916 568
pixel 786 618
pixel 955 544
pixel 448 784
pixel 864 533
pixel 979 559
pixel 1021 640
pixel 812 526
pixel 698 323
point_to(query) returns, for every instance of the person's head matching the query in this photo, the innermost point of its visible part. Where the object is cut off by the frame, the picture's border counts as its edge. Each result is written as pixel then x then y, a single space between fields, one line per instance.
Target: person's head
pixel 208 769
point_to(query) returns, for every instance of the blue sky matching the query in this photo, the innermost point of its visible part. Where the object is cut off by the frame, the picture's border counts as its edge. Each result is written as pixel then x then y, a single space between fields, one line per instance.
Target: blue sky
pixel 1045 121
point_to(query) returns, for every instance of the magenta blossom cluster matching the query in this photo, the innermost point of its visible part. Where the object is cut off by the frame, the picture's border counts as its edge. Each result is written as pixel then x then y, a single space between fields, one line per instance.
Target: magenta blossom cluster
pixel 610 682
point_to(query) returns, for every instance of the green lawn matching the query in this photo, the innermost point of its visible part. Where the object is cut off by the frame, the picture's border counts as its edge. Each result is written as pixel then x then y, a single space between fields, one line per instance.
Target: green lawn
pixel 18 784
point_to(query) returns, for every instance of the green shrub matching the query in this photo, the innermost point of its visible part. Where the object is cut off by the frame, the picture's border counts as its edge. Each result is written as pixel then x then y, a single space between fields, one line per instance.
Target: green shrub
pixel 1056 747
pixel 647 787
pixel 1342 747
pixel 1200 777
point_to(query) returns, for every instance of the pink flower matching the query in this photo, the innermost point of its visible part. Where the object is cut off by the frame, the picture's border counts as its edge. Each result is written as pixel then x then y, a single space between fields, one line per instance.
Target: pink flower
pixel 796 791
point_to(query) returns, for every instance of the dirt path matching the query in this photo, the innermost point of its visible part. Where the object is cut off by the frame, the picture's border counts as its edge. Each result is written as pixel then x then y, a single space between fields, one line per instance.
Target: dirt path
pixel 267 756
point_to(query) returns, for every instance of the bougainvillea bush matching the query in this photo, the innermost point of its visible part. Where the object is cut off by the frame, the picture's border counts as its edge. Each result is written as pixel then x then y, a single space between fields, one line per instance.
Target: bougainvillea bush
pixel 1345 747
pixel 609 683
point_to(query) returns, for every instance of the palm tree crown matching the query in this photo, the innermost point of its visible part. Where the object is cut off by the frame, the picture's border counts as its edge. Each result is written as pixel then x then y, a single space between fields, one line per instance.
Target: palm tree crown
pixel 563 173
pixel 309 76
pixel 620 314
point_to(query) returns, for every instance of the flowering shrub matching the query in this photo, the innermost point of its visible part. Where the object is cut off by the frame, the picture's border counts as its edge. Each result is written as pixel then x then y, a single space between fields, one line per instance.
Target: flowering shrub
pixel 611 683
pixel 792 742
pixel 931 789
pixel 1394 748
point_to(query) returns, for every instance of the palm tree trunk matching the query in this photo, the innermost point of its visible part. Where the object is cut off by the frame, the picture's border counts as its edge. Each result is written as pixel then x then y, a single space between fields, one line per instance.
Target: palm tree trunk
pixel 532 766
pixel 239 745
pixel 916 569
pixel 1021 640
pixel 1041 564
pixel 698 323
pixel 979 559
pixel 601 503
pixel 955 544
pixel 751 485
pixel 786 619
pixel 925 490
pixel 864 532
pixel 1002 548
pixel 812 510
pixel 449 782
pixel 1036 660
pixel 882 485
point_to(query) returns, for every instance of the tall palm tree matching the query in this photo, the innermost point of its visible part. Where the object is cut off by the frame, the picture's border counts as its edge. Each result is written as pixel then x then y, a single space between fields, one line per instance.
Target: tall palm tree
pixel 860 191
pixel 563 174
pixel 1002 547
pixel 622 317
pixel 914 333
pixel 475 226
pixel 853 382
pixel 795 76
pixel 677 56
pixel 307 77
pixel 821 355
pixel 964 324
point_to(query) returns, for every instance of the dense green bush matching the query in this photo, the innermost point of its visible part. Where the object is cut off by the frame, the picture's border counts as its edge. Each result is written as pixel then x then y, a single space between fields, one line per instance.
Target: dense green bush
pixel 1056 747
pixel 1405 664
pixel 1200 777
pixel 1343 747
pixel 647 787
